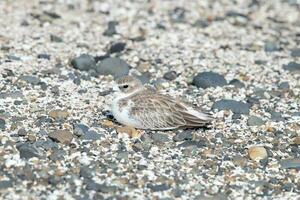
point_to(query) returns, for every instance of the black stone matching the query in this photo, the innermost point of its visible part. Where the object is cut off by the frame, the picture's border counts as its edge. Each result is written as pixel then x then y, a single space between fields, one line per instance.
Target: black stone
pixel 158 188
pixel 27 150
pixel 43 56
pixel 55 38
pixel 117 47
pixel 113 66
pixel 84 62
pixel 235 106
pixel 111 29
pixel 292 67
pixel 91 185
pixel 237 83
pixel 209 79
pixel 171 75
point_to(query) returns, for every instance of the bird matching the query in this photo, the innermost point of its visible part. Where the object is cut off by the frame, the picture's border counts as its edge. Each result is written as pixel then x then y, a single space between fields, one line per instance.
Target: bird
pixel 143 107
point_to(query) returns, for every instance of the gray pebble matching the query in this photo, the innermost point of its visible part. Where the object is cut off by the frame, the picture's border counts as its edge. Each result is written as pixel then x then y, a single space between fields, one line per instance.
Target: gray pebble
pixel 43 56
pixel 292 67
pixel 113 66
pixel 117 47
pixel 157 188
pixel 271 46
pixel 284 86
pixel 55 38
pixel 255 121
pixel 235 106
pixel 111 29
pixel 237 83
pixel 80 129
pixel 2 124
pixel 295 52
pixel 13 95
pixel 159 137
pixel 290 163
pixel 27 150
pixel 84 62
pixel 5 184
pixel 209 79
pixel 30 79
pixel 170 75
pixel 91 135
pixel 181 136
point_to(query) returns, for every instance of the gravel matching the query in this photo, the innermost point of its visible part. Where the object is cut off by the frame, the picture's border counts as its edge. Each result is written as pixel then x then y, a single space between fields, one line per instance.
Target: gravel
pixel 58 62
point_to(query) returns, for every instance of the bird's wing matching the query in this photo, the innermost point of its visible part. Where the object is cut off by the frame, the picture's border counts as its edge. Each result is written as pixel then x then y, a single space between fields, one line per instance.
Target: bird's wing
pixel 158 111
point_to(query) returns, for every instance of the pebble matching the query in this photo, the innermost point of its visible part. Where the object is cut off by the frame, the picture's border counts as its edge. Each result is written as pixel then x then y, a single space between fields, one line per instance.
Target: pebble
pixel 55 38
pixel 160 137
pixel 237 83
pixel 240 161
pixel 91 135
pixel 5 184
pixel 255 121
pixel 91 185
pixel 27 150
pixel 170 75
pixel 157 188
pixel 43 56
pixel 237 107
pixel 30 79
pixel 117 47
pixel 293 163
pixel 292 67
pixel 271 46
pixel 113 66
pixel 80 129
pixel 189 143
pixel 209 79
pixel 22 132
pixel 62 136
pixel 84 62
pixel 295 52
pixel 59 114
pixel 2 124
pixel 257 153
pixel 12 95
pixel 284 86
pixel 296 140
pixel 276 116
pixel 181 136
pixel 111 29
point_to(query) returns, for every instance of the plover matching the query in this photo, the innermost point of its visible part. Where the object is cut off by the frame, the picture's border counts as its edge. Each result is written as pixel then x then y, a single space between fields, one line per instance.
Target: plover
pixel 143 107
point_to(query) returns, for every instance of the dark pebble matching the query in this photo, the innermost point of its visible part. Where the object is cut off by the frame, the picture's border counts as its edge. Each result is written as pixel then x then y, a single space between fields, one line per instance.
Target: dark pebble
pixel 171 75
pixel 284 86
pixel 181 136
pixel 55 38
pixel 30 79
pixel 295 52
pixel 158 188
pixel 5 184
pixel 22 132
pixel 27 150
pixel 235 106
pixel 14 58
pixel 13 95
pixel 91 135
pixel 290 163
pixel 113 66
pixel 198 144
pixel 237 83
pixel 91 185
pixel 117 47
pixel 43 56
pixel 292 67
pixel 160 137
pixel 111 29
pixel 80 129
pixel 201 23
pixel 277 117
pixel 2 124
pixel 271 46
pixel 84 62
pixel 177 15
pixel 209 79
pixel 260 62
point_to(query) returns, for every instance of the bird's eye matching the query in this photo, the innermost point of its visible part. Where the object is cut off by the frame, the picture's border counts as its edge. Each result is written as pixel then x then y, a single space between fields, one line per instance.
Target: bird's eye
pixel 125 86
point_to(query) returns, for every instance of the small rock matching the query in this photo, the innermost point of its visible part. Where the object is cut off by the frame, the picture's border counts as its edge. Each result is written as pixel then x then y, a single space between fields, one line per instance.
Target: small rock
pixel 5 184
pixel 189 143
pixel 159 137
pixel 292 67
pixel 43 56
pixel 201 23
pixel 209 79
pixel 170 76
pixel 277 117
pixel 296 140
pixel 290 163
pixel 158 188
pixel 260 62
pixel 22 132
pixel 295 52
pixel 117 47
pixel 181 136
pixel 239 161
pixel 132 132
pixel 237 107
pixel 30 79
pixel 257 153
pixel 91 135
pixel 27 150
pixel 284 86
pixel 12 95
pixel 55 38
pixel 113 66
pixel 91 185
pixel 237 83
pixel 59 114
pixel 62 136
pixel 111 29
pixel 80 129
pixel 271 46
pixel 2 124
pixel 84 62
pixel 15 58
pixel 145 77
pixel 255 121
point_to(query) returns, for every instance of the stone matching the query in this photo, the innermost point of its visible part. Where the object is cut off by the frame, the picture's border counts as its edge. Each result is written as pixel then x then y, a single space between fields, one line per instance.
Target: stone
pixel 12 95
pixel 22 132
pixel 30 79
pixel 91 135
pixel 111 29
pixel 62 136
pixel 80 129
pixel 284 86
pixel 271 46
pixel 293 163
pixel 237 83
pixel 59 114
pixel 239 161
pixel 189 143
pixel 182 136
pixel 255 121
pixel 292 67
pixel 158 188
pixel 130 131
pixel 257 153
pixel 91 185
pixel 113 66
pixel 27 150
pixel 117 47
pixel 170 75
pixel 160 137
pixel 5 184
pixel 43 56
pixel 277 116
pixel 295 52
pixel 209 79
pixel 84 62
pixel 237 107
pixel 2 124
pixel 55 38
pixel 296 140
